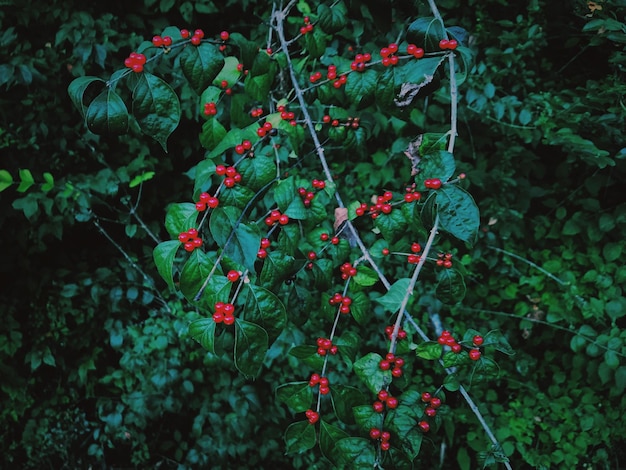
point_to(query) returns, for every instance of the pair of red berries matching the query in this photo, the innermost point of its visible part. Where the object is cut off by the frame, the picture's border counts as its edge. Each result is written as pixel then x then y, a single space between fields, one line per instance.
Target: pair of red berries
pixel 392 362
pixel 307 27
pixel 382 436
pixel 276 216
pixel 333 240
pixel 265 244
pixel 312 416
pixel 432 183
pixel 158 41
pixel 389 332
pixel 264 129
pixel 190 239
pixel 448 44
pixel 243 147
pixel 415 51
pixel 206 200
pixel 384 399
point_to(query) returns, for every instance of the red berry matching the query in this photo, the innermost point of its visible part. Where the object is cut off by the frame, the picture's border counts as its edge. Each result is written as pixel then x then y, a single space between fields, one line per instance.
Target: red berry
pixel 444 44
pixel 183 237
pixel 378 406
pixel 385 436
pixel 474 354
pixel 334 240
pixel 199 33
pixel 283 219
pixel 229 319
pixel 311 255
pixel 375 433
pixel 324 390
pixel 384 365
pixel 218 317
pixel 213 202
pixel 430 411
pixel 200 206
pixel 477 340
pixel 424 426
pixel 196 40
pixel 452 44
pixel 390 357
pixel 456 348
pixel 192 232
pixel 416 248
pixel 261 254
pixel 189 246
pixel 224 35
pixel 392 402
pixel 265 243
pixel 220 170
pixel 426 397
pixel 157 41
pixel 396 372
pixel 167 41
pixel 384 446
pixel 383 395
pixel 435 402
pixel 233 276
pixel 184 33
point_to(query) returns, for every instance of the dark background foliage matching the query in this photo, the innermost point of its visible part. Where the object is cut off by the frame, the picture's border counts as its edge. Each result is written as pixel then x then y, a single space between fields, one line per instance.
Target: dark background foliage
pixel 96 366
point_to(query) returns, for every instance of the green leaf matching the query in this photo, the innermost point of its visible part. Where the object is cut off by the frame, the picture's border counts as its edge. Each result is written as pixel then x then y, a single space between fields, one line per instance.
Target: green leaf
pixel 392 300
pixel 156 107
pixel 620 379
pixel 6 180
pixel 355 453
pixel 332 20
pixel 404 423
pixel 257 172
pixel 329 435
pixel 243 245
pixel 360 308
pixel 451 383
pixel 26 180
pixel 212 134
pixel 458 212
pixel 238 196
pixel 361 86
pixel 365 276
pixel 368 370
pixel 315 43
pixel 180 218
pixel 258 86
pixel 164 254
pixel 194 275
pixel 496 339
pixel 277 267
pixel 200 65
pixel 417 72
pixel 426 32
pixel 385 91
pixel 450 286
pixel 264 308
pixel 452 359
pixel 229 72
pixel 366 418
pixel 203 331
pixel 308 354
pixel 392 226
pixel 107 114
pixel 137 180
pixel 47 186
pixel 77 89
pixel 300 437
pixel 348 344
pixel 430 350
pixel 439 164
pixel 616 308
pixel 345 398
pixel 251 345
pixel 298 396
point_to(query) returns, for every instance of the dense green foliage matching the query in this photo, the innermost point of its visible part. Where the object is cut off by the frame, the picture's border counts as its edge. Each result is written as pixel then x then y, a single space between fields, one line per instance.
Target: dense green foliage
pixel 99 365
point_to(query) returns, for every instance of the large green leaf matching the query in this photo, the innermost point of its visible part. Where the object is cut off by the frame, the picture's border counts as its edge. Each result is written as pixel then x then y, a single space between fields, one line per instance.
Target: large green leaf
pixel 429 350
pixel 298 396
pixel 426 32
pixel 266 309
pixel 251 345
pixel 107 114
pixel 332 19
pixel 361 86
pixel 355 453
pixel 77 89
pixel 393 298
pixel 360 308
pixel 438 164
pixel 329 435
pixel 156 107
pixel 458 212
pixel 366 418
pixel 200 65
pixel 300 437
pixel 164 254
pixel 243 245
pixel 194 275
pixel 404 422
pixel 345 398
pixel 212 133
pixel 277 267
pixel 368 370
pixel 417 72
pixel 392 226
pixel 257 172
pixel 180 218
pixel 203 331
pixel 450 286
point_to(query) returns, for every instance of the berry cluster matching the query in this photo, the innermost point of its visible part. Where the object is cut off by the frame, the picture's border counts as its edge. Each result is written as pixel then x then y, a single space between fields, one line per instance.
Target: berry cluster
pixel 307 27
pixel 411 195
pixel 444 260
pixel 414 258
pixel 359 62
pixel 432 405
pixel 331 74
pixel 389 332
pixel 232 176
pixel 197 37
pixel 264 129
pixel 384 398
pixel 233 276
pixel 324 346
pixel 322 381
pixel 135 62
pixel 388 54
pixel 256 112
pixel 347 270
pixel 316 76
pixel 383 436
pixel 343 302
pixel 210 109
pixel 312 416
pixel 287 115
pixel 392 362
pixel 158 41
pixel 190 239
pixel 224 313
pixel 206 200
pixel 307 196
pixel 446 339
pixel 276 216
pixel 449 44
pixel 432 183
pixel 382 206
pixel 265 244
pixel 415 51
pixel 243 147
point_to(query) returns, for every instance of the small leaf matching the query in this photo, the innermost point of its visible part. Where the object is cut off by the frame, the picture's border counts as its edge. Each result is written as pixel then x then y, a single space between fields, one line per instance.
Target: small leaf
pixel 251 345
pixel 137 180
pixel 458 212
pixel 277 267
pixel 298 396
pixel 107 114
pixel 203 331
pixel 366 418
pixel 365 276
pixel 368 370
pixel 348 344
pixel 392 226
pixel 430 350
pixel 392 300
pixel 308 354
pixel 194 275
pixel 417 72
pixel 496 339
pixel 156 107
pixel 451 383
pixel 212 134
pixel 332 20
pixel 300 437
pixel 200 65
pixel 361 86
pixel 360 308
pixel 26 180
pixel 164 254
pixel 257 172
pixel 426 32
pixel 6 180
pixel 47 186
pixel 404 423
pixel 450 286
pixel 180 218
